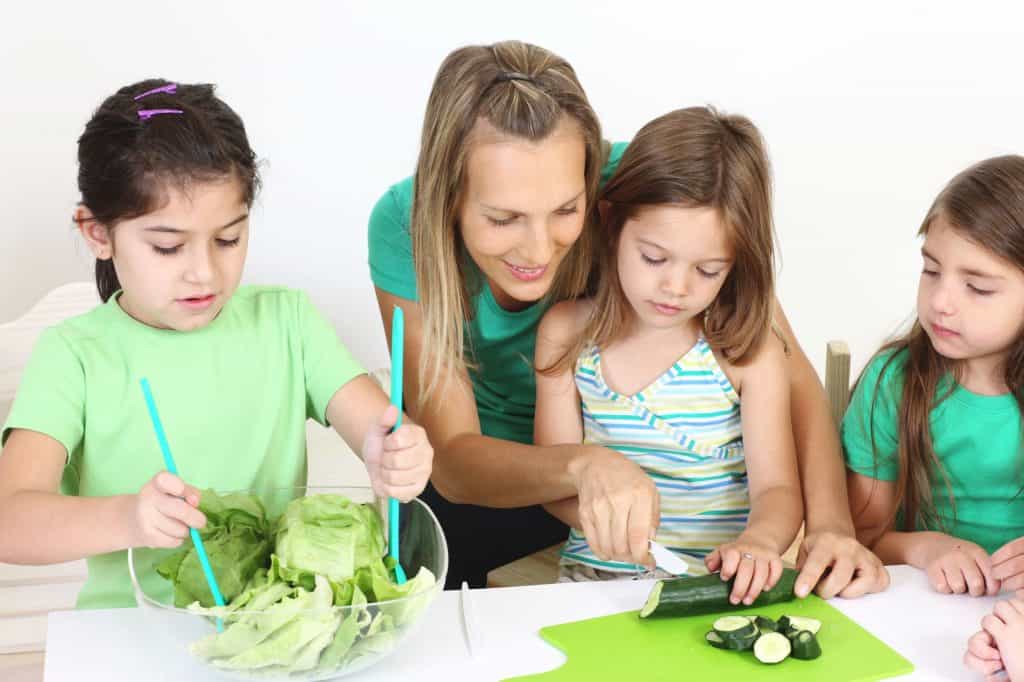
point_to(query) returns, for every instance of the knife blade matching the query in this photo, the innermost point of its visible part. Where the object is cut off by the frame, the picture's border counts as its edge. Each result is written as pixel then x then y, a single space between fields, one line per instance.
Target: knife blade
pixel 667 561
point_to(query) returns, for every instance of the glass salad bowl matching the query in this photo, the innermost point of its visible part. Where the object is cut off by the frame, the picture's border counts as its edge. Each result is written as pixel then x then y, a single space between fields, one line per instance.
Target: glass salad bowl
pixel 308 588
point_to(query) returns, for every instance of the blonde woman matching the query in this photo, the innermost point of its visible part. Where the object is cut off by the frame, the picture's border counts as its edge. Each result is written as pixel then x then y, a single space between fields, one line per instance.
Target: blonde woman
pixel 500 218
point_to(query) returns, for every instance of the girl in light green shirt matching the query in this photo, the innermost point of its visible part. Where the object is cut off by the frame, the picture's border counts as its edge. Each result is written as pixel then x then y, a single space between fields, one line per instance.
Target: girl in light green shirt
pixel 167 179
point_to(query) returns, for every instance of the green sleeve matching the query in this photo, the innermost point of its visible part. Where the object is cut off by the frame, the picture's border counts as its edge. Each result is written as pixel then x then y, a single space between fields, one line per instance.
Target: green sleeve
pixel 327 363
pixel 612 163
pixel 873 413
pixel 390 242
pixel 51 395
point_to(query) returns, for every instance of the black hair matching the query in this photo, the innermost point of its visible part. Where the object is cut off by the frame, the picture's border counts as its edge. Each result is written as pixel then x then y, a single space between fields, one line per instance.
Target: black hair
pixel 126 161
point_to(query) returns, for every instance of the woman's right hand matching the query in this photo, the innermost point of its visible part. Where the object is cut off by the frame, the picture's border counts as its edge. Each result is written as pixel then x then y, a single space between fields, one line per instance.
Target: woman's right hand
pixel 619 505
pixel 956 566
pixel 163 511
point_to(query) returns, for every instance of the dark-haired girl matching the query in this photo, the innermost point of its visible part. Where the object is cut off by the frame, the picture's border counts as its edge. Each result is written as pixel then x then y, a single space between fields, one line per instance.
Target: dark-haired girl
pixel 167 178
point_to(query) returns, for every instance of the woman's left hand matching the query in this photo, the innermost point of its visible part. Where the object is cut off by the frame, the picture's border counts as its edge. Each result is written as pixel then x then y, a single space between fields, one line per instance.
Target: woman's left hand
pixel 755 567
pixel 853 569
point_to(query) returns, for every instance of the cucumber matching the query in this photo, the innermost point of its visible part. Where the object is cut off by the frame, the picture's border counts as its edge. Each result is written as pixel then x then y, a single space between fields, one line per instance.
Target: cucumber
pixel 805 646
pixel 743 643
pixel 772 648
pixel 734 627
pixel 766 625
pixel 740 644
pixel 712 638
pixel 799 623
pixel 701 595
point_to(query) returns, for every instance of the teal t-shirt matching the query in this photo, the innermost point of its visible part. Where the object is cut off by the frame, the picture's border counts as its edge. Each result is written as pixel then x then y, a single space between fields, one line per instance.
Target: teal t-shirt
pixel 976 437
pixel 233 397
pixel 502 341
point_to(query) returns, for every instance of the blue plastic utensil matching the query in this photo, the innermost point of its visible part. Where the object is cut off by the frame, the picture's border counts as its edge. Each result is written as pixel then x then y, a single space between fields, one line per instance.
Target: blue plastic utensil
pixel 165 448
pixel 397 353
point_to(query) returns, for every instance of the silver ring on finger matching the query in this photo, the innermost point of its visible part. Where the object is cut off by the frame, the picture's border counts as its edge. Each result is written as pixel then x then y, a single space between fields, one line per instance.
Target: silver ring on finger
pixel 748 555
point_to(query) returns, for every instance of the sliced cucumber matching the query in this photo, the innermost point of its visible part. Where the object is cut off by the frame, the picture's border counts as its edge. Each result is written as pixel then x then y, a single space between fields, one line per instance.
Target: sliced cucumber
pixel 734 627
pixel 766 625
pixel 799 623
pixel 713 638
pixel 772 648
pixel 805 646
pixel 743 643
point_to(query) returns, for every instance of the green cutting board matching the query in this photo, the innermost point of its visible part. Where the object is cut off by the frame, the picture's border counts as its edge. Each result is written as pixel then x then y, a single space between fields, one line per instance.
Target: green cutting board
pixel 623 647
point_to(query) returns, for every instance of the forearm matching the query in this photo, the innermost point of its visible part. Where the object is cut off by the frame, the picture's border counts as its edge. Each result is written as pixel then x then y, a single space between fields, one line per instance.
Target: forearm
pixel 46 528
pixel 775 517
pixel 819 454
pixel 896 547
pixel 567 511
pixel 475 469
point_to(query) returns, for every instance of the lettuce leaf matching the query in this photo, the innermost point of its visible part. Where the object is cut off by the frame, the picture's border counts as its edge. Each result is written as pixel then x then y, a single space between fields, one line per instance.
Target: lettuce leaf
pixel 327 535
pixel 237 542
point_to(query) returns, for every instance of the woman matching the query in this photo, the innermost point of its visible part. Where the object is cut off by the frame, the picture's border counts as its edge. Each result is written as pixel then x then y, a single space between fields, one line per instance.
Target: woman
pixel 499 217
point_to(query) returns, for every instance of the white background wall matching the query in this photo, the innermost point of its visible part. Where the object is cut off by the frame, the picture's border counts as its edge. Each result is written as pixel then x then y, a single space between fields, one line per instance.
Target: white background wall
pixel 868 109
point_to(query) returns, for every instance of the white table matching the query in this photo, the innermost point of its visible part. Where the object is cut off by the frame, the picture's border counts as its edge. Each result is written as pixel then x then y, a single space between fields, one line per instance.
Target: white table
pixel 929 629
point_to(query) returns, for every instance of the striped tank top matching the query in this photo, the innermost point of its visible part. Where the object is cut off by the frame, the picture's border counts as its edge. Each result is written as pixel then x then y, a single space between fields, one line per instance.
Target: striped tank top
pixel 684 430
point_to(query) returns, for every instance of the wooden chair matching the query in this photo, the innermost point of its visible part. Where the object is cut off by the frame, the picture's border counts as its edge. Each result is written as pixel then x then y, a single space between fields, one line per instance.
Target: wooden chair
pixel 542 567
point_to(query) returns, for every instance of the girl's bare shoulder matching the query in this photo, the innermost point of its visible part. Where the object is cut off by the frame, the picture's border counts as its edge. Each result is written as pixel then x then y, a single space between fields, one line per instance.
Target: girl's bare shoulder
pixel 565 320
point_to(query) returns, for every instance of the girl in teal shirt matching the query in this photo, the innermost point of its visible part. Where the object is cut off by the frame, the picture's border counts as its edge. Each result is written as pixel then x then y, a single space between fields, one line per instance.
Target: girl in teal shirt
pixel 933 434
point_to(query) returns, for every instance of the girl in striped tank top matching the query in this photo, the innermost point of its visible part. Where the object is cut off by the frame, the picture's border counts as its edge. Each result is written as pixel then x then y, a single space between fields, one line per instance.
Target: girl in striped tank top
pixel 673 361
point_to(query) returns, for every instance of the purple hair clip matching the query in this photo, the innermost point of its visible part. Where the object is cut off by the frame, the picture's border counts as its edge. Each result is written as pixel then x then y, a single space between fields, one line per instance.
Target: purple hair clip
pixel 146 114
pixel 170 89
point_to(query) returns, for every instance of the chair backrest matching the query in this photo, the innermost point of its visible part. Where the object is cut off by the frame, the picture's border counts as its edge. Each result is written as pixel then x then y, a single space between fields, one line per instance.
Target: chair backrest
pixel 837 378
pixel 17 338
pixel 27 593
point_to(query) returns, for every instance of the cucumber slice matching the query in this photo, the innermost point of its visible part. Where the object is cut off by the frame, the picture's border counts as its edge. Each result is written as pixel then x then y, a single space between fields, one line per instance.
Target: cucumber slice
pixel 766 625
pixel 717 641
pixel 701 595
pixel 772 648
pixel 734 627
pixel 742 643
pixel 713 638
pixel 653 599
pixel 805 646
pixel 800 623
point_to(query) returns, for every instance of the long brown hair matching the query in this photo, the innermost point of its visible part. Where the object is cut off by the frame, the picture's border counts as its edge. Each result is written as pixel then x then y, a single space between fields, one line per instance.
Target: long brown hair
pixel 696 157
pixel 523 91
pixel 985 205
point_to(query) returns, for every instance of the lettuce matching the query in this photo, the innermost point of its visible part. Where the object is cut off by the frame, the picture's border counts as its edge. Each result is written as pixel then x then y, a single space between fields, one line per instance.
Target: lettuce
pixel 285 577
pixel 237 542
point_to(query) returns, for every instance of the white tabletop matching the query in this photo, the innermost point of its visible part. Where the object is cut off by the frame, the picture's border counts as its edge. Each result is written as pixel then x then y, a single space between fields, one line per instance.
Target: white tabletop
pixel 929 629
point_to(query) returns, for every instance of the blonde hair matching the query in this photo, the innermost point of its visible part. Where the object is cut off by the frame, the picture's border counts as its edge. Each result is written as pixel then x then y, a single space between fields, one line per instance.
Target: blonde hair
pixel 700 158
pixel 524 91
